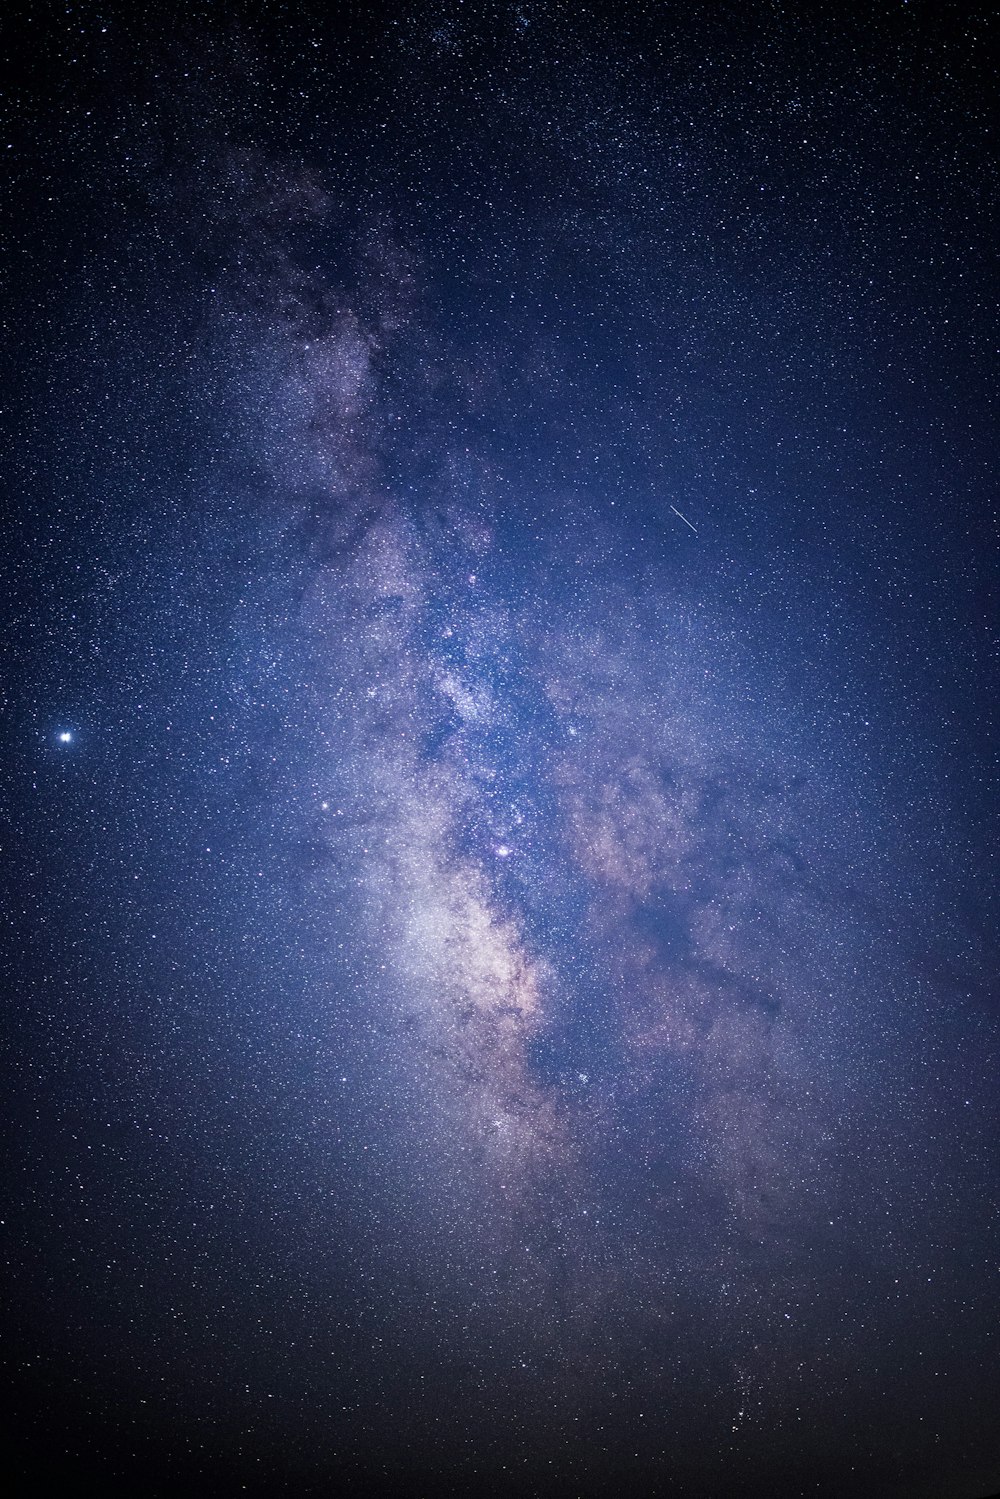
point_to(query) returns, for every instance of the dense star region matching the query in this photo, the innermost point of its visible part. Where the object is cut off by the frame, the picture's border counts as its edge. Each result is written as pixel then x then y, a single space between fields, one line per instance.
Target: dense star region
pixel 500 948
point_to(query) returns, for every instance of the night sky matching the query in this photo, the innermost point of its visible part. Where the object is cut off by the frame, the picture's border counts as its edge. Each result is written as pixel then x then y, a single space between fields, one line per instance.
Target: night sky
pixel 498 801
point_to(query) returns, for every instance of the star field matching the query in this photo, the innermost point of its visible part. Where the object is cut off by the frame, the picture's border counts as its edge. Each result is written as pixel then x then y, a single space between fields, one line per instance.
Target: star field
pixel 500 879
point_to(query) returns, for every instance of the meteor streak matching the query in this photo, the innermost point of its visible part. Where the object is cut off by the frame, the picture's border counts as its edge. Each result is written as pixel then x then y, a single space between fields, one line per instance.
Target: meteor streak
pixel 684 519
